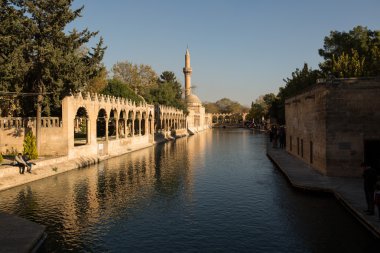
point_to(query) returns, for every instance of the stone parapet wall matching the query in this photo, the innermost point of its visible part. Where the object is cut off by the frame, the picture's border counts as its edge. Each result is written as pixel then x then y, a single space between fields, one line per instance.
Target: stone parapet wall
pixel 13 130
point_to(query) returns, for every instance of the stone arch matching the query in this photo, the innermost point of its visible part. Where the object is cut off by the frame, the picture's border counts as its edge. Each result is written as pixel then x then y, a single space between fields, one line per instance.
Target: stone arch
pixel 214 119
pixel 143 123
pixel 150 126
pixel 81 129
pixel 101 125
pixel 112 124
pixel 130 123
pixel 122 124
pixel 137 123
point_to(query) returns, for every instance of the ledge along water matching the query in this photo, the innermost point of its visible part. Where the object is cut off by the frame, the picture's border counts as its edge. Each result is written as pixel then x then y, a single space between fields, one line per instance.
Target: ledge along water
pixel 349 191
pixel 215 191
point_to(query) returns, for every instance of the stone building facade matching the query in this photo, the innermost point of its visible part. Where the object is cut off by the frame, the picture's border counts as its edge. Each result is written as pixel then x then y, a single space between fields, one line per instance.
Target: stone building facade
pixel 335 125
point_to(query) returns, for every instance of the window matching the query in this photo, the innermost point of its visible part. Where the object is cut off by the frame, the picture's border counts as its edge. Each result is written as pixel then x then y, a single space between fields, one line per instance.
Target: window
pixel 298 146
pixel 291 143
pixel 311 152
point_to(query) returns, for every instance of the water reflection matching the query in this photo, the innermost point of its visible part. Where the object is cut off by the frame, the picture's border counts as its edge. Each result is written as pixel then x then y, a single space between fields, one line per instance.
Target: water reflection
pixel 216 191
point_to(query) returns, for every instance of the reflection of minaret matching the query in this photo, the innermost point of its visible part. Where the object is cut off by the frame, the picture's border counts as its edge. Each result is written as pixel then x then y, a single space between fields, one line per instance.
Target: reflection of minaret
pixel 187 71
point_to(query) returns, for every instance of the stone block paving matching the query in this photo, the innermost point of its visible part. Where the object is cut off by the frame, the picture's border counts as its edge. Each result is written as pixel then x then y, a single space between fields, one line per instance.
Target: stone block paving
pixel 19 235
pixel 349 191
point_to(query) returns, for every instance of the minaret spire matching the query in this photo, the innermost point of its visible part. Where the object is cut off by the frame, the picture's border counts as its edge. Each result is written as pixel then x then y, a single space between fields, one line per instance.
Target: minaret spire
pixel 187 72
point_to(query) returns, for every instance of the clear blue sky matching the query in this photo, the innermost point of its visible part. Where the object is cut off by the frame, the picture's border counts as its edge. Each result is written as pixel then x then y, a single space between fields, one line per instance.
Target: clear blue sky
pixel 240 49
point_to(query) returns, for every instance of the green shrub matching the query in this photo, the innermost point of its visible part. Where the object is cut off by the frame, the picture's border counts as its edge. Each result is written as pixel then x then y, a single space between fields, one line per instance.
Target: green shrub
pixel 1 157
pixel 30 146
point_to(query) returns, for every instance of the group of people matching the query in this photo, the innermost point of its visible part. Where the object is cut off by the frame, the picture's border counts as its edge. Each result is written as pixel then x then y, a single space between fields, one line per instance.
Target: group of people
pixel 277 136
pixel 371 189
pixel 23 163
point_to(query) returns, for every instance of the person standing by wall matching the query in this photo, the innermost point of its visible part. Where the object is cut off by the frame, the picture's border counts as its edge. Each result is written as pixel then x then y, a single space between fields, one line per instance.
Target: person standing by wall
pixel 370 178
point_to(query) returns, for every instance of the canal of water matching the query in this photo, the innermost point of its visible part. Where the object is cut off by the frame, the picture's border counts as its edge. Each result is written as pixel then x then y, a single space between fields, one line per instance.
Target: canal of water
pixel 212 192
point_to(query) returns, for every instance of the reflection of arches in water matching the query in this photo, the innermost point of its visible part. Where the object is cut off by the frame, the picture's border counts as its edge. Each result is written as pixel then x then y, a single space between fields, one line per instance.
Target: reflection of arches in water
pixel 81 200
pixel 81 131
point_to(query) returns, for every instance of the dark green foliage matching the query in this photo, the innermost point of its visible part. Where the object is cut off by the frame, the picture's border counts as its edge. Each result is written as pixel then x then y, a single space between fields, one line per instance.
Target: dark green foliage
pixel 1 158
pixel 30 146
pixel 118 88
pixel 300 80
pixel 359 46
pixel 40 56
pixel 168 92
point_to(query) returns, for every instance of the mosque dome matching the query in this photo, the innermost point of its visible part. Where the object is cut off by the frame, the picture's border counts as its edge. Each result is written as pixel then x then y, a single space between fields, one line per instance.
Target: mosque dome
pixel 193 99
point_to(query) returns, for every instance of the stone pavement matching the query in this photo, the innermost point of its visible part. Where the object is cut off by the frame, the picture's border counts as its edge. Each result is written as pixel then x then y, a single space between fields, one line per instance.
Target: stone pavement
pixel 19 235
pixel 349 191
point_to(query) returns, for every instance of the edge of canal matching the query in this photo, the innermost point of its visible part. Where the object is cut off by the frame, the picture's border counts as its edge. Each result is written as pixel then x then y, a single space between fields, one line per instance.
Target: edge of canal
pixel 344 202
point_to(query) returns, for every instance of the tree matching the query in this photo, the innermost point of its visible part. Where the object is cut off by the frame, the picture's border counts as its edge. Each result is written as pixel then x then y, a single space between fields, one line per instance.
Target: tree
pixel 118 88
pixel 98 83
pixel 358 46
pixel 348 65
pixel 47 58
pixel 168 92
pixel 168 77
pixel 298 82
pixel 141 78
pixel 262 107
pixel 13 65
pixel 228 106
pixel 211 107
pixel 29 146
pixel 225 105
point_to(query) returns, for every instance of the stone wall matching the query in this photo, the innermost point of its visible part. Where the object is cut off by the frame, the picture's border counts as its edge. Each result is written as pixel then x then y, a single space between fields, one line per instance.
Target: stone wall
pixel 328 124
pixel 306 127
pixel 13 130
pixel 353 116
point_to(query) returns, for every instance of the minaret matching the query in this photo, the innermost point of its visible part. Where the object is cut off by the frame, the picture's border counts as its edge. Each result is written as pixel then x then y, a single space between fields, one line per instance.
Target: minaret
pixel 187 71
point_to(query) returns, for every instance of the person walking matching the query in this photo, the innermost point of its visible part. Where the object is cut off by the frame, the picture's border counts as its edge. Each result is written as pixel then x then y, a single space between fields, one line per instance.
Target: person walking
pixel 370 178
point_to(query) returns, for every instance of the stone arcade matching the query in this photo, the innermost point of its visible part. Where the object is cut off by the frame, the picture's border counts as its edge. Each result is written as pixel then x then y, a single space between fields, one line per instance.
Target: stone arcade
pixel 99 125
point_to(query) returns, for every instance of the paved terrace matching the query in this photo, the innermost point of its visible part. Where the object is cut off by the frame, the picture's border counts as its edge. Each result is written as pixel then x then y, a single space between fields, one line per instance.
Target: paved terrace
pixel 349 191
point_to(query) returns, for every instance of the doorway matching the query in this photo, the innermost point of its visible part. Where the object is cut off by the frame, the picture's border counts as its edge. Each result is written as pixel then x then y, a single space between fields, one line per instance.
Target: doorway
pixel 372 153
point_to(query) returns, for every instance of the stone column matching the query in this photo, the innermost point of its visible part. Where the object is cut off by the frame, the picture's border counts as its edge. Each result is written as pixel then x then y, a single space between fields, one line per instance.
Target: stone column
pixel 117 128
pixel 106 119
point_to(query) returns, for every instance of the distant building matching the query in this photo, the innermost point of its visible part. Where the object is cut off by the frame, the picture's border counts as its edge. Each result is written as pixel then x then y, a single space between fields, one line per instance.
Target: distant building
pixel 335 125
pixel 198 119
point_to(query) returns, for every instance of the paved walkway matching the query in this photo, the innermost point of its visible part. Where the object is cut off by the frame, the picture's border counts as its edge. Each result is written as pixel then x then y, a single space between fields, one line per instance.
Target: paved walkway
pixel 19 235
pixel 349 191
